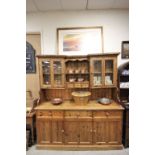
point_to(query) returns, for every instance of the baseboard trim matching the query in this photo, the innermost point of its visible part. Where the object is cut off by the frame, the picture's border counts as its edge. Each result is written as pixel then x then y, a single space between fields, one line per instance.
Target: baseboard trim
pixel 79 147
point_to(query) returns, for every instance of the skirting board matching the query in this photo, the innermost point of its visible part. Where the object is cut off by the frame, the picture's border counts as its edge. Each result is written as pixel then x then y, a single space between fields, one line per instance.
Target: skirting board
pixel 79 147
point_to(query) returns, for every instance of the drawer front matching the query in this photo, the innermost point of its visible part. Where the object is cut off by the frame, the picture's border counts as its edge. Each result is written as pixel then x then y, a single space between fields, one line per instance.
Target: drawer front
pixel 57 113
pixel 49 113
pixel 107 113
pixel 78 114
pixel 44 113
pixel 70 85
pixel 77 85
pixel 85 85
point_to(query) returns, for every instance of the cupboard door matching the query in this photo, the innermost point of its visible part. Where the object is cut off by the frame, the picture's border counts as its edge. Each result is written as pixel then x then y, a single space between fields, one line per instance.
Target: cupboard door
pixel 57 132
pixel 71 129
pixel 58 73
pixel 85 132
pixel 99 132
pixel 78 132
pixel 43 131
pixel 96 65
pixel 45 73
pixel 114 131
pixel 110 72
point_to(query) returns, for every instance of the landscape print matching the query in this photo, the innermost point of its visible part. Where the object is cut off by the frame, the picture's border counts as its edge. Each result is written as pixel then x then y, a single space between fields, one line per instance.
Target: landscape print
pixel 77 41
pixel 72 42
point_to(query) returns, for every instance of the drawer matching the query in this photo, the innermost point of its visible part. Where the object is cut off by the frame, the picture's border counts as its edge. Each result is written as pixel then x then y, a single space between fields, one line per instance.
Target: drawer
pixel 44 113
pixel 78 114
pixel 70 85
pixel 52 114
pixel 85 85
pixel 57 114
pixel 77 85
pixel 107 113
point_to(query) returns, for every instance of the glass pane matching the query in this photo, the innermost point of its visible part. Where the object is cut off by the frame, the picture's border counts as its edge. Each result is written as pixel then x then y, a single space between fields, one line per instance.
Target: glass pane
pixel 108 79
pixel 57 67
pixel 97 79
pixel 46 72
pixel 58 80
pixel 109 66
pixel 97 66
pixel 108 72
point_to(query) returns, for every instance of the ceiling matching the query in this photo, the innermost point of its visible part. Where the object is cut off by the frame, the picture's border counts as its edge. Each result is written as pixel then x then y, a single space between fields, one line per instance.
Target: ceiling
pixel 53 5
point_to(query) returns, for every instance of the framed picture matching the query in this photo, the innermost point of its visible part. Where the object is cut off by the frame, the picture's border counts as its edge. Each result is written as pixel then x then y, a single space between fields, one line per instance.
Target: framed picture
pixel 79 40
pixel 125 49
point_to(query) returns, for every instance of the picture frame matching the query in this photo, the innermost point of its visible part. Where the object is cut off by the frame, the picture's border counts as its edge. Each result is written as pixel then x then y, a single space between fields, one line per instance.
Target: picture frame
pixel 125 50
pixel 79 40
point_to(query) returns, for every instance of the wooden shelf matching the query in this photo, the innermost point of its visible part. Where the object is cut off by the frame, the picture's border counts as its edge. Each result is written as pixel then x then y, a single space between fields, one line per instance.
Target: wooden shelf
pixel 97 73
pixel 109 72
pixel 46 73
pixel 58 73
pixel 77 73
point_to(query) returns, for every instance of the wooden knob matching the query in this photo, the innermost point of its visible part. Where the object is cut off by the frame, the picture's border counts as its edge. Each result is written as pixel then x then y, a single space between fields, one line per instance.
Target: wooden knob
pixel 94 130
pixel 40 114
pixel 62 131
pixel 107 114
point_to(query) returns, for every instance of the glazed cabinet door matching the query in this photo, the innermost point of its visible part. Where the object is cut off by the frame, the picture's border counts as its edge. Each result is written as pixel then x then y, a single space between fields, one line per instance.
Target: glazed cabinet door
pixel 43 131
pixel 96 72
pixel 58 76
pixel 45 73
pixel 110 74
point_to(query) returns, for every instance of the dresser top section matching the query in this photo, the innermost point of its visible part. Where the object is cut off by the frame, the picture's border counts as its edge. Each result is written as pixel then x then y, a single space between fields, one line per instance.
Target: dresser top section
pixel 70 105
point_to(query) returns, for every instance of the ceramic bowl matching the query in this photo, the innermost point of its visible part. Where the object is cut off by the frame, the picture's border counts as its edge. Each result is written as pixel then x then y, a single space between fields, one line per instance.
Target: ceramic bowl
pixel 56 101
pixel 72 80
pixel 104 101
pixel 80 79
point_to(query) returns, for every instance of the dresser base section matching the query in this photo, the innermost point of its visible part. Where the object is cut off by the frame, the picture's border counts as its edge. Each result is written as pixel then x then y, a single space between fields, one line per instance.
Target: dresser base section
pixel 79 147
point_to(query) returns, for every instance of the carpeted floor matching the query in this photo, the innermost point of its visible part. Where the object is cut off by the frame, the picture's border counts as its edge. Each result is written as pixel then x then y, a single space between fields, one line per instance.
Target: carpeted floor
pixel 32 151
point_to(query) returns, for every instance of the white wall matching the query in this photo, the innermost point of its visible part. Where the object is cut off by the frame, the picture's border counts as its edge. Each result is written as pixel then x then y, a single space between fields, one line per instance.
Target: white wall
pixel 115 27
